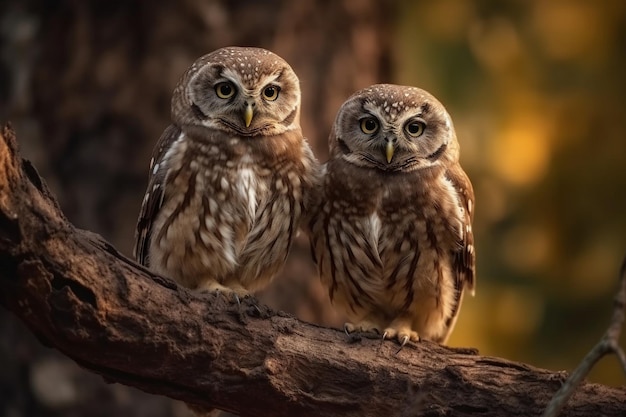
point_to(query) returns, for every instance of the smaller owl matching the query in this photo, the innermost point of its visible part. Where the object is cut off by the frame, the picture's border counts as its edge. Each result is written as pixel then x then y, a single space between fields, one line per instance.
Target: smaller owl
pixel 392 233
pixel 230 177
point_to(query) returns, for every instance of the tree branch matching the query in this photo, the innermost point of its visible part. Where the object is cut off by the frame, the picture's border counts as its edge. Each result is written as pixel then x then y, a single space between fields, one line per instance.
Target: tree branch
pixel 79 295
pixel 609 343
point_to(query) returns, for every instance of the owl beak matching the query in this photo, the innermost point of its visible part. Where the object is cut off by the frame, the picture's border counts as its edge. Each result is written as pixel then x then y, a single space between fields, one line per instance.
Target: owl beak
pixel 389 149
pixel 247 114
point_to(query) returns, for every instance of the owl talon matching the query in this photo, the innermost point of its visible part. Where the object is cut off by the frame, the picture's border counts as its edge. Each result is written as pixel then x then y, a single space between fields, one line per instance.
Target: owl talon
pixel 401 330
pixel 258 310
pixel 231 291
pixel 213 287
pixel 382 341
pixel 405 339
pixel 361 327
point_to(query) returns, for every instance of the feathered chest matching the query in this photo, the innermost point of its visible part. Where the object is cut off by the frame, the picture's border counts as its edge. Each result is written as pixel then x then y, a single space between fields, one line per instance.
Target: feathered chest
pixel 227 207
pixel 232 187
pixel 392 205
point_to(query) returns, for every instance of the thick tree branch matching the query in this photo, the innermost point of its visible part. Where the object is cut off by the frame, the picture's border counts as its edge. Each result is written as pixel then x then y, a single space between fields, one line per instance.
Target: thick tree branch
pixel 82 297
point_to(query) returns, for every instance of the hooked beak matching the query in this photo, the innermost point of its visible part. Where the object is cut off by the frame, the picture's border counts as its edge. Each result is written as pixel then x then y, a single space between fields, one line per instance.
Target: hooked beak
pixel 389 149
pixel 247 114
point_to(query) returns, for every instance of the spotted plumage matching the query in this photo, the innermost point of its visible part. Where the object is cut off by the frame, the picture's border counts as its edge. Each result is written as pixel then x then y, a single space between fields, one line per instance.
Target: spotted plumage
pixel 230 179
pixel 391 232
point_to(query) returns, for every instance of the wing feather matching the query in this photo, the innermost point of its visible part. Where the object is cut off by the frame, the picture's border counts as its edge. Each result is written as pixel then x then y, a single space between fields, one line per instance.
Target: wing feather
pixel 153 199
pixel 465 257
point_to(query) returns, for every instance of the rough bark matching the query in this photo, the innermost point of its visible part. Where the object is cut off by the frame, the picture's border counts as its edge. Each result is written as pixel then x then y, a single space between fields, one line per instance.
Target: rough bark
pixel 79 295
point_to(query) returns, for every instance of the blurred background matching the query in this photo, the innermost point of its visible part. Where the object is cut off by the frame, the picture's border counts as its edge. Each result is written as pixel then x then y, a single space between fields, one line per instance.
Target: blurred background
pixel 537 90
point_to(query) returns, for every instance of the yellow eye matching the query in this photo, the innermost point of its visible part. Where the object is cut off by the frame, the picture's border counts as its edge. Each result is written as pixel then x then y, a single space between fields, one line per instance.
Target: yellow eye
pixel 369 125
pixel 270 92
pixel 224 90
pixel 414 128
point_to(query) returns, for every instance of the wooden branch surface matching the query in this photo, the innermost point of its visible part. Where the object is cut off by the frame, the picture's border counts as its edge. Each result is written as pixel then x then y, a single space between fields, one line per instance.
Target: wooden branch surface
pixel 79 295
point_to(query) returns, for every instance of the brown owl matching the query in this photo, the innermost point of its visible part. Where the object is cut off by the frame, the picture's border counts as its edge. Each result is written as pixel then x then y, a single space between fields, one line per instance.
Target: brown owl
pixel 230 177
pixel 392 233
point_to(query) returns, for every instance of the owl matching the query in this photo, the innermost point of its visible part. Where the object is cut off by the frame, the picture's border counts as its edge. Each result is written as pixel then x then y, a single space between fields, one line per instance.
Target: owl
pixel 392 234
pixel 230 177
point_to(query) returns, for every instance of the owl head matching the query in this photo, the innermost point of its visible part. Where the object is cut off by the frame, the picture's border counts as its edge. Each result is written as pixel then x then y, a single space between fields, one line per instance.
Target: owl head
pixel 244 91
pixel 393 128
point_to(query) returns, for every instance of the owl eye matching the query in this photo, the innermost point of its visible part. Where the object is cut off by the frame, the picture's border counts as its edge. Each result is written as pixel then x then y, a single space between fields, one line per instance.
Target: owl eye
pixel 224 90
pixel 369 125
pixel 415 128
pixel 270 92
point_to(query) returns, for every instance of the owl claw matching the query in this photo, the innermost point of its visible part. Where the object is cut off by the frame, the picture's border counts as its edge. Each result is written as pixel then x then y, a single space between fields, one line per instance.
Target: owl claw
pixel 402 332
pixel 405 339
pixel 231 292
pixel 258 310
pixel 382 341
pixel 362 327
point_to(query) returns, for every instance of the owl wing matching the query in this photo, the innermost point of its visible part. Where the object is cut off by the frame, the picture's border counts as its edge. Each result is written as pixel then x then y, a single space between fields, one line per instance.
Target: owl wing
pixel 314 214
pixel 343 244
pixel 465 257
pixel 153 200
